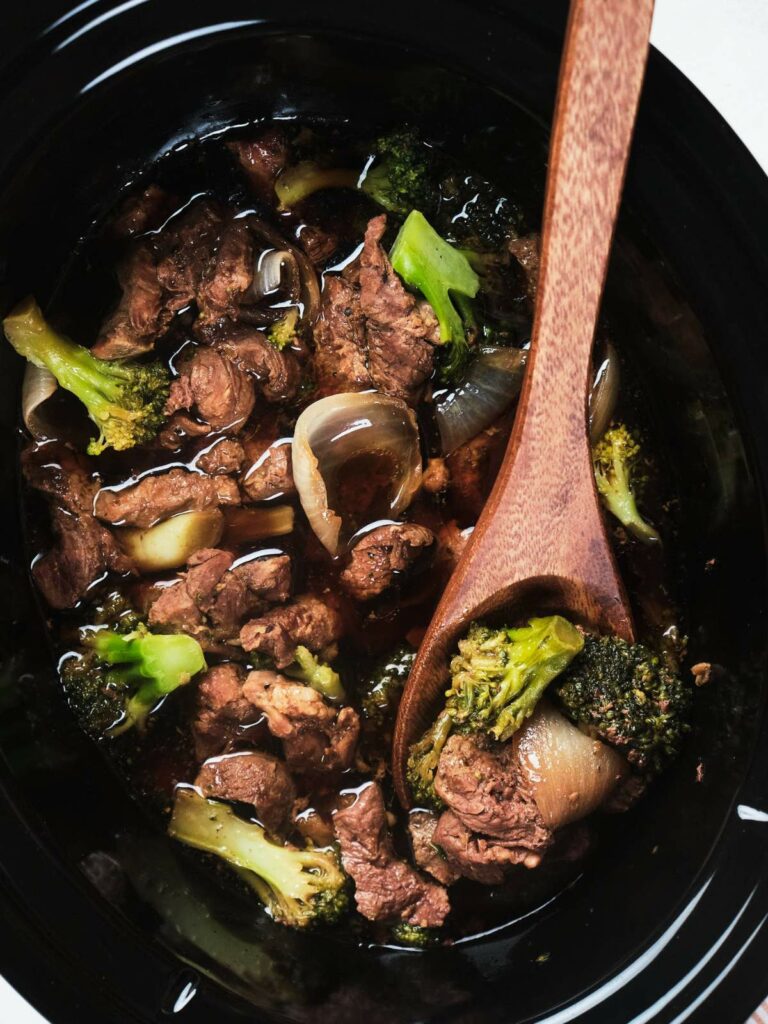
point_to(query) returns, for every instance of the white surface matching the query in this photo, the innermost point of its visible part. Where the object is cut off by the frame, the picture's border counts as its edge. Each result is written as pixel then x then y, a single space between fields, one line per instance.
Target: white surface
pixel 722 46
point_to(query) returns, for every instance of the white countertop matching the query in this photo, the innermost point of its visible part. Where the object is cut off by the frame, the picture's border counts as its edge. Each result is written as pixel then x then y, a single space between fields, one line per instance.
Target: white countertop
pixel 722 46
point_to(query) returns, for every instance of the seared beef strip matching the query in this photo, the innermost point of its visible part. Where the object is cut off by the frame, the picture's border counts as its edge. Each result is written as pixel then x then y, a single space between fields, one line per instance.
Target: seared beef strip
pixel 222 711
pixel 141 314
pixel 386 888
pixel 220 392
pixel 317 243
pixel 278 373
pixel 184 249
pixel 427 855
pixel 269 469
pixel 229 273
pixel 143 212
pixel 315 736
pixel 381 555
pixel 157 497
pixel 476 857
pixel 398 331
pixel 339 334
pixel 262 160
pixel 225 456
pixel 214 596
pixel 84 549
pixel 371 331
pixel 251 777
pixel 473 468
pixel 483 786
pixel 308 622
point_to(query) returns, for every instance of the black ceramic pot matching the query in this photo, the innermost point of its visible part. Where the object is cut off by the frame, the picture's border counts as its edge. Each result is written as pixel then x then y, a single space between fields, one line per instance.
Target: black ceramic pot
pixel 668 924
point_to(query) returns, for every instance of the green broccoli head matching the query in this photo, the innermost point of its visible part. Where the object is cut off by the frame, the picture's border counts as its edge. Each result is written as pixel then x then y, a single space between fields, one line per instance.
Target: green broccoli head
pixel 423 759
pixel 126 400
pixel 499 675
pixel 381 691
pixel 321 677
pixel 145 666
pixel 402 175
pixel 97 701
pixel 624 694
pixel 617 459
pixel 415 936
pixel 299 888
pixel 443 275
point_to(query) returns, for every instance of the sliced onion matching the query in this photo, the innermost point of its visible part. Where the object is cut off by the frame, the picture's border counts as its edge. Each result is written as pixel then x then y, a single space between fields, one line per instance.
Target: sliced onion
pixel 169 544
pixel 569 773
pixel 338 428
pixel 492 383
pixel 298 278
pixel 39 384
pixel 604 393
pixel 276 275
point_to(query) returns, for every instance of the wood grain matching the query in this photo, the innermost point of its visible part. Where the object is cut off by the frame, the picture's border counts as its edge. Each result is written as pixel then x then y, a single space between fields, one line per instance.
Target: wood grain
pixel 540 543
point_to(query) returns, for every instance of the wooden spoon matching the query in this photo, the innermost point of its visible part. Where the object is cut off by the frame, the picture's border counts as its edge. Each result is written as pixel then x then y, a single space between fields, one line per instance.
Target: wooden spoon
pixel 540 544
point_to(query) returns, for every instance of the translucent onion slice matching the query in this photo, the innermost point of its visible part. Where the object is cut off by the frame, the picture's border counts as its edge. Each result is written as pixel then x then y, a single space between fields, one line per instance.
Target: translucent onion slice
pixel 492 383
pixel 37 388
pixel 297 277
pixel 345 429
pixel 569 773
pixel 169 544
pixel 604 393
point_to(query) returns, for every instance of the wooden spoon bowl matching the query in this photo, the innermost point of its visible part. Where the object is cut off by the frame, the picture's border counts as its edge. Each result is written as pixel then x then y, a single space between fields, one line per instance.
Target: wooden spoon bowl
pixel 540 544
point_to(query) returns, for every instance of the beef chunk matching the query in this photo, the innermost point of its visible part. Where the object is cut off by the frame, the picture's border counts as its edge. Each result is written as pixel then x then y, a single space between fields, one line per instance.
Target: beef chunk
pixel 476 857
pixel 315 736
pixel 308 622
pixel 184 250
pixel 251 777
pixel 397 329
pixel 221 393
pixel 427 855
pixel 143 212
pixel 222 711
pixel 225 456
pixel 178 429
pixel 451 542
pixel 278 373
pixel 473 468
pixel 270 472
pixel 229 273
pixel 141 314
pixel 339 334
pixel 84 549
pixel 381 555
pixel 318 243
pixel 262 160
pixel 213 596
pixel 386 888
pixel 247 589
pixel 487 792
pixel 157 497
pixel 527 252
pixel 371 331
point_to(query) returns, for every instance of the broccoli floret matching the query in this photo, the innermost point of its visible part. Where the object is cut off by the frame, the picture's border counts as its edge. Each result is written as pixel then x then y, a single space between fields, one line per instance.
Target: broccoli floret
pixel 475 213
pixel 616 458
pixel 124 399
pixel 319 676
pixel 442 274
pixel 117 612
pixel 97 701
pixel 147 667
pixel 302 179
pixel 497 679
pixel 380 693
pixel 423 758
pixel 415 936
pixel 499 675
pixel 283 332
pixel 401 178
pixel 298 887
pixel 625 694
